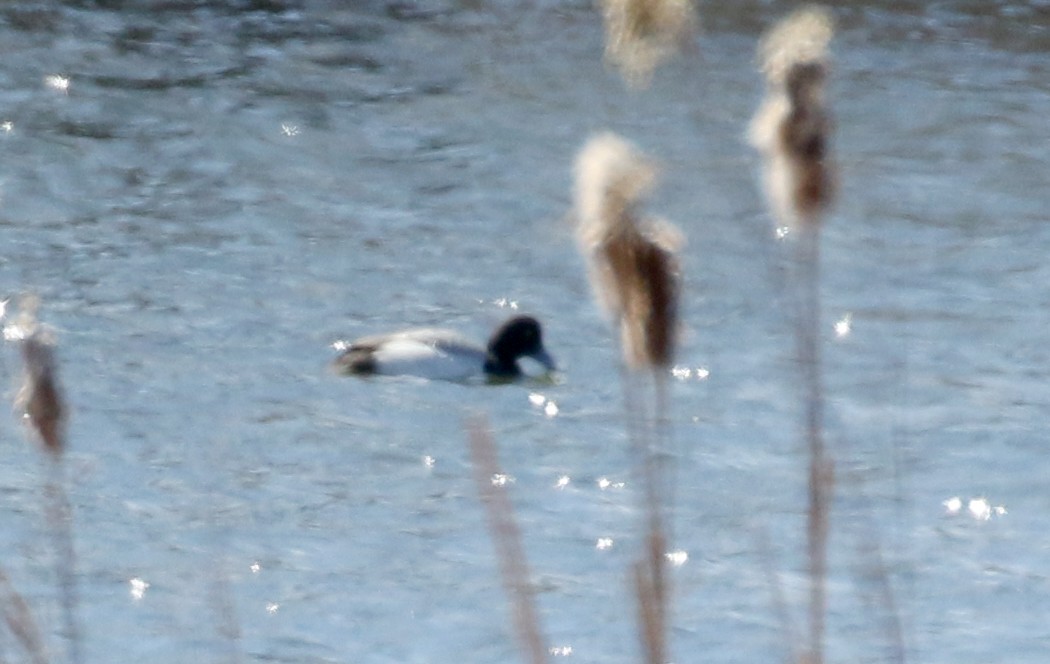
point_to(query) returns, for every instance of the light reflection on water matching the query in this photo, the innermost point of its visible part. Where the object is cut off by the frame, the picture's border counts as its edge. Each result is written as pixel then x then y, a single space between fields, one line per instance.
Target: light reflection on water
pixel 205 200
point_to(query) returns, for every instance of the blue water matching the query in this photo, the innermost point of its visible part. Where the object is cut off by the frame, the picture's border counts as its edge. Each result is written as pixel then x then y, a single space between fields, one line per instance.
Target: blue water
pixel 215 196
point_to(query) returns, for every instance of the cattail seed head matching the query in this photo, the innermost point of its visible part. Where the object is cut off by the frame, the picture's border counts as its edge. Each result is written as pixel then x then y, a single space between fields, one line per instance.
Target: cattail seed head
pixel 641 34
pixel 40 399
pixel 792 128
pixel 633 266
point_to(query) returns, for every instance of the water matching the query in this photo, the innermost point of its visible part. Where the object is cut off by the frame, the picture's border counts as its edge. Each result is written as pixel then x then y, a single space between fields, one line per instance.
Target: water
pixel 219 194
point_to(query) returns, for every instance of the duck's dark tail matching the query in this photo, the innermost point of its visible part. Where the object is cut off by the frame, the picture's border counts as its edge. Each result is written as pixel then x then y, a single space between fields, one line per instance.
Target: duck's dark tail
pixel 355 360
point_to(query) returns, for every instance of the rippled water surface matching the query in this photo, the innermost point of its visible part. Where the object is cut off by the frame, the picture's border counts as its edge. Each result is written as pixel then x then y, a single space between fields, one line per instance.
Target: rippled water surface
pixel 206 198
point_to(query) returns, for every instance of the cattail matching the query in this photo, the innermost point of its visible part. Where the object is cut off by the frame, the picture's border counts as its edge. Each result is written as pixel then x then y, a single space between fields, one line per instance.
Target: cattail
pixel 41 404
pixel 633 266
pixel 635 275
pixel 40 398
pixel 792 128
pixel 641 34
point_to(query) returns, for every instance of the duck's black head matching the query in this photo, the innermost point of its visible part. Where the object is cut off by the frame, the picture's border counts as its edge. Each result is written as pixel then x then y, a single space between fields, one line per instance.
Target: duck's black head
pixel 520 336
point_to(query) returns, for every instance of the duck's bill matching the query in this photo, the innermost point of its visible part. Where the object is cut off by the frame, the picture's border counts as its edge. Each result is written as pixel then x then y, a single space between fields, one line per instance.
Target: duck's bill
pixel 544 358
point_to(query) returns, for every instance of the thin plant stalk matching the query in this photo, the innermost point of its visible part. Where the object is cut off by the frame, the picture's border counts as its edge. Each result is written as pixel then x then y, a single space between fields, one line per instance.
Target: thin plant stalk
pixel 19 620
pixel 506 537
pixel 821 473
pixel 60 516
pixel 227 624
pixel 42 404
pixel 650 584
pixel 780 604
pixel 792 129
pixel 634 271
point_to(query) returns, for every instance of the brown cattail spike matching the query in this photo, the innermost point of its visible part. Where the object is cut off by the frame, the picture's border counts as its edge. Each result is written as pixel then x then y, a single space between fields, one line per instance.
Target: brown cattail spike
pixel 804 135
pixel 793 127
pixel 632 264
pixel 40 398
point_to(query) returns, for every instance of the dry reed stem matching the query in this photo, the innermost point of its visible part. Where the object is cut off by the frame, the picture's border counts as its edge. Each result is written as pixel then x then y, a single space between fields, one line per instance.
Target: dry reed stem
pixel 891 623
pixel 19 619
pixel 42 405
pixel 780 603
pixel 642 34
pixel 792 129
pixel 60 517
pixel 227 625
pixel 651 590
pixel 635 275
pixel 506 537
pixel 821 477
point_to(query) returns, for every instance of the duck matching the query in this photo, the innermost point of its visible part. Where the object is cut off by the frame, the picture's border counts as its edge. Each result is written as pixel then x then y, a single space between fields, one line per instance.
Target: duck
pixel 442 354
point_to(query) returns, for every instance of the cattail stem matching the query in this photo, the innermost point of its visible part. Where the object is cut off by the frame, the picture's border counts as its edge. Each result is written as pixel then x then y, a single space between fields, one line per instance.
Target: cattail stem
pixel 19 619
pixel 227 625
pixel 506 537
pixel 821 468
pixel 60 519
pixel 41 402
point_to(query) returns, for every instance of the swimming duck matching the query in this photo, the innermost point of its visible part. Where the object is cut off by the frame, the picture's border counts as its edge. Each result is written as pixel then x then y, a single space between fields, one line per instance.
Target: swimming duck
pixel 446 355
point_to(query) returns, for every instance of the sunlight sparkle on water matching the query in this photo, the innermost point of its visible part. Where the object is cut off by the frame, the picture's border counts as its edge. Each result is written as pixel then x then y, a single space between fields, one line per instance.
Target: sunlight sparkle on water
pixel 289 129
pixel 782 232
pixel 506 303
pixel 429 461
pixel 7 126
pixel 15 332
pixel 677 558
pixel 57 82
pixel 562 482
pixel 550 409
pixel 688 373
pixel 138 588
pixel 844 326
pixel 272 607
pixel 977 508
pixel 605 483
pixel 502 479
pixel 953 505
pixel 603 543
pixel 560 651
pixel 255 568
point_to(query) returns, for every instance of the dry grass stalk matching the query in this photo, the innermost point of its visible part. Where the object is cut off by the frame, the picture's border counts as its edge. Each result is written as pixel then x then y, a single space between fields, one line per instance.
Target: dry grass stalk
pixel 19 619
pixel 651 588
pixel 43 408
pixel 891 622
pixel 226 623
pixel 641 34
pixel 792 128
pixel 633 266
pixel 506 537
